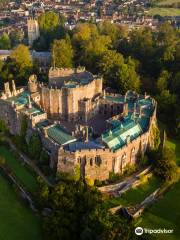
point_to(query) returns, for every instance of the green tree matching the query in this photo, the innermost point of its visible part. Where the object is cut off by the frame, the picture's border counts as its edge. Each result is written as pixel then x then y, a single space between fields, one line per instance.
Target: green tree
pixel 175 85
pixel 2 126
pixel 35 146
pixel 165 167
pixel 162 82
pixel 118 73
pixel 62 53
pixel 51 28
pixel 16 37
pixel 5 42
pixel 78 214
pixel 21 56
pixel 48 22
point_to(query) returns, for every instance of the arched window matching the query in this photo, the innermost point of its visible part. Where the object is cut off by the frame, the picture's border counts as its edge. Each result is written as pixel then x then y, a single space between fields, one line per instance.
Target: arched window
pixel 91 162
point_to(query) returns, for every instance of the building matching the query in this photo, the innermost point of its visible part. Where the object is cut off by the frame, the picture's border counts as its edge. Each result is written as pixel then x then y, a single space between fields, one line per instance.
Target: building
pixel 33 30
pixel 81 125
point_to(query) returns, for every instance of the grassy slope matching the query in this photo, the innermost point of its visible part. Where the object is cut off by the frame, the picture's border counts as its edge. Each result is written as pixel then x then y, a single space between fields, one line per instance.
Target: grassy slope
pixel 20 171
pixel 175 145
pixel 17 221
pixel 134 195
pixel 166 212
pixel 164 11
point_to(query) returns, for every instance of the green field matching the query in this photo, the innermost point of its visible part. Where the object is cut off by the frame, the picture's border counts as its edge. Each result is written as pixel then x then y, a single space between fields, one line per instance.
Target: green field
pixel 175 145
pixel 167 2
pixel 164 11
pixel 134 195
pixel 164 214
pixel 17 221
pixel 23 174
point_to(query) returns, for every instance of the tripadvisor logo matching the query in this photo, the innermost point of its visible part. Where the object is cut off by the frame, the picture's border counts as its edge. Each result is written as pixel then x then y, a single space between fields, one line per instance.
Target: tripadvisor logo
pixel 139 231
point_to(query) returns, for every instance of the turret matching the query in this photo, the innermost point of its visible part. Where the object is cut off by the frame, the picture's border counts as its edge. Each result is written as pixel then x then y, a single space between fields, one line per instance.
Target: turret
pixel 32 84
pixel 14 92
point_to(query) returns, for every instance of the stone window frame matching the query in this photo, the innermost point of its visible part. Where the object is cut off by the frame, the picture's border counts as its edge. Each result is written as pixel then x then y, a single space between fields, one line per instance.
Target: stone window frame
pixel 91 161
pixel 98 160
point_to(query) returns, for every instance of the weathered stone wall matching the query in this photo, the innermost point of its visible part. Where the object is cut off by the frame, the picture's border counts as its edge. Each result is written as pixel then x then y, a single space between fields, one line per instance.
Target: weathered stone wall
pixel 98 163
pixel 11 117
pixel 64 103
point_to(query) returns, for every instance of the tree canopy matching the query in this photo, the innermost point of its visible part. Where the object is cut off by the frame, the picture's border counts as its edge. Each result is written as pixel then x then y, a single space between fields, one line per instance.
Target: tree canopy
pixel 78 213
pixel 62 53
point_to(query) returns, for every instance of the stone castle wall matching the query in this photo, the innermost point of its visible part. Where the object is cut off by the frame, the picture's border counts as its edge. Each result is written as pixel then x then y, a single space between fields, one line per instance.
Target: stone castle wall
pixel 98 163
pixel 64 103
pixel 11 117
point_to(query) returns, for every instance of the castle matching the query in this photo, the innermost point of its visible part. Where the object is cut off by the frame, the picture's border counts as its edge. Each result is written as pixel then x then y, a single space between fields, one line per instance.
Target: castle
pixel 80 124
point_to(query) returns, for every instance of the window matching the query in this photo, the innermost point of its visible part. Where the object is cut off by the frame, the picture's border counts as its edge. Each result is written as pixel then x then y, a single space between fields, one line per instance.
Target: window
pixel 79 160
pixel 91 162
pixel 98 160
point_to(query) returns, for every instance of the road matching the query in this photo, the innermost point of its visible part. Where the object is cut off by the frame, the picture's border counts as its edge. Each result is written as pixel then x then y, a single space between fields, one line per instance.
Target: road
pixel 123 186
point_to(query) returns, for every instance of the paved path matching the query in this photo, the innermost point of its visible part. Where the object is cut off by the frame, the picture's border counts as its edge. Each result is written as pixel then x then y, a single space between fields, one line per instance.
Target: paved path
pixel 123 186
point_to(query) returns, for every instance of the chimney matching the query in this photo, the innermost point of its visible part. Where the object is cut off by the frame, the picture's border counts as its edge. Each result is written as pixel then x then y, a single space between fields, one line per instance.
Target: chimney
pixel 14 92
pixel 29 102
pixel 7 89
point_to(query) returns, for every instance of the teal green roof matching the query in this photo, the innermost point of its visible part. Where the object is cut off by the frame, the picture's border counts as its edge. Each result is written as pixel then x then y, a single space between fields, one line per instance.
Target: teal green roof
pixel 42 124
pixel 22 99
pixel 59 135
pixel 117 137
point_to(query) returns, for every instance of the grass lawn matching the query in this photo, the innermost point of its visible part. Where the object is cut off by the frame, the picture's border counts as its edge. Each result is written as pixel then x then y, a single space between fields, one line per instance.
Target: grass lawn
pixel 164 11
pixel 175 145
pixel 164 214
pixel 17 221
pixel 167 2
pixel 134 195
pixel 25 176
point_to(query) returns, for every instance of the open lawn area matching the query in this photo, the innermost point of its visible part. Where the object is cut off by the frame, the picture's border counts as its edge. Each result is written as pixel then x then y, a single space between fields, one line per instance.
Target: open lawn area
pixel 167 2
pixel 164 214
pixel 164 11
pixel 134 195
pixel 22 173
pixel 17 221
pixel 175 145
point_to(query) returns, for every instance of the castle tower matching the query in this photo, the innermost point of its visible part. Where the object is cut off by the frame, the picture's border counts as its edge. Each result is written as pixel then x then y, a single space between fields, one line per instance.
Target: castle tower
pixel 33 30
pixel 7 89
pixel 32 84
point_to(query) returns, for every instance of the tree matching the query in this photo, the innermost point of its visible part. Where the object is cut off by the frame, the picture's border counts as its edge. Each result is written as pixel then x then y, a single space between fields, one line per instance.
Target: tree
pixel 175 85
pixel 167 107
pixel 21 56
pixel 5 42
pixel 48 22
pixel 118 73
pixel 78 214
pixel 162 82
pixel 2 126
pixel 115 32
pixel 16 37
pixel 94 50
pixel 35 146
pixel 165 167
pixel 51 28
pixel 62 53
